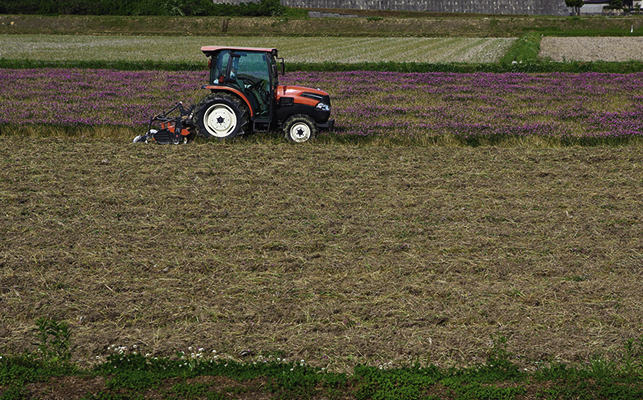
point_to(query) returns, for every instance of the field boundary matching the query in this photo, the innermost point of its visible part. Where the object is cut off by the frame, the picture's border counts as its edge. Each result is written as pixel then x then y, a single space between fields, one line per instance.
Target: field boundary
pixel 127 373
pixel 625 67
pixel 470 25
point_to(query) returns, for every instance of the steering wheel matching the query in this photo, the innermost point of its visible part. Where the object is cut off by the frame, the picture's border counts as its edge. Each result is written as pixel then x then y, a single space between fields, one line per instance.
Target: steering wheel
pixel 254 84
pixel 246 78
pixel 258 85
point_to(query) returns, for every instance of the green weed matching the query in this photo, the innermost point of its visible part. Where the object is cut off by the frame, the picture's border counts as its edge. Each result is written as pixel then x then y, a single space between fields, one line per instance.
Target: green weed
pixel 187 391
pixel 16 372
pixel 633 358
pixel 53 339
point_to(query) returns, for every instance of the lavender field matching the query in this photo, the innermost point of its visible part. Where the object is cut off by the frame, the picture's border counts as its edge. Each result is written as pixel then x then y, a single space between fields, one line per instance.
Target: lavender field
pixel 417 107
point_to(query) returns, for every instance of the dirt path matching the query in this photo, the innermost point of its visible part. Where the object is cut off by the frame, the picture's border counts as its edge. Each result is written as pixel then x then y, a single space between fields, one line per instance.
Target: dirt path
pixel 592 48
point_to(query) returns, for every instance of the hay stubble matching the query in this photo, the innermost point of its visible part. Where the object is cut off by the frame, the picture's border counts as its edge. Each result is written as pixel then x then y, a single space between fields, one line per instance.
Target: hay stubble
pixel 333 254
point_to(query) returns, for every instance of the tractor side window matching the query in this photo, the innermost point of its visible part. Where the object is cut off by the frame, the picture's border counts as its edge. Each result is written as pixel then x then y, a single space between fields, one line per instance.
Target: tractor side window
pixel 220 62
pixel 253 76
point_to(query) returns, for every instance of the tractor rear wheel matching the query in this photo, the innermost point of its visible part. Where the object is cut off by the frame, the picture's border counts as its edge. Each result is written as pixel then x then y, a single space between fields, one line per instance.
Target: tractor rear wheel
pixel 222 116
pixel 300 128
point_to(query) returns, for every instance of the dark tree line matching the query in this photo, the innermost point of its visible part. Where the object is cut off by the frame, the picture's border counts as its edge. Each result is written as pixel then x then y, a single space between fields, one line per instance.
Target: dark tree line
pixel 140 7
pixel 575 4
pixel 612 4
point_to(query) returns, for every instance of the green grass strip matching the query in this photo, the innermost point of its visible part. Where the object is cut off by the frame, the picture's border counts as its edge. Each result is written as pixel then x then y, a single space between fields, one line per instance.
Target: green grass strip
pixel 132 375
pixel 529 67
pixel 525 49
pixel 502 67
pixel 97 64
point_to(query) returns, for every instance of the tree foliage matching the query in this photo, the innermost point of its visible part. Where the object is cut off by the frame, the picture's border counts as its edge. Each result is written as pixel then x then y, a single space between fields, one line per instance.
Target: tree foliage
pixel 616 4
pixel 140 7
pixel 575 4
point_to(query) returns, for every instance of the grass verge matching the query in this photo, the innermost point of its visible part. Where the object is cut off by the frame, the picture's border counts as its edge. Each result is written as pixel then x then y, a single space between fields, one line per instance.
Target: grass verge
pixel 525 49
pixel 504 67
pixel 128 374
pixel 390 24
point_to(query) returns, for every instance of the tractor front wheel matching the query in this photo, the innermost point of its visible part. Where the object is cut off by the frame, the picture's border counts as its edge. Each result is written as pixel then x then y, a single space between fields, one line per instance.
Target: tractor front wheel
pixel 222 116
pixel 300 128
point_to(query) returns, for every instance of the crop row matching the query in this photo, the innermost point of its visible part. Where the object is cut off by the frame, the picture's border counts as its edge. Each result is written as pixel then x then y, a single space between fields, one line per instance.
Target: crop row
pixel 294 49
pixel 386 104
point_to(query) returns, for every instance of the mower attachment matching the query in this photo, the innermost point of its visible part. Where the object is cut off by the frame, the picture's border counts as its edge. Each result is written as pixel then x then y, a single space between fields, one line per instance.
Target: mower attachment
pixel 176 129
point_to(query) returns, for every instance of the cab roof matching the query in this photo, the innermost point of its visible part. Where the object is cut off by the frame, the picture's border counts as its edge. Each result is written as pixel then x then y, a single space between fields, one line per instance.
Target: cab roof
pixel 211 49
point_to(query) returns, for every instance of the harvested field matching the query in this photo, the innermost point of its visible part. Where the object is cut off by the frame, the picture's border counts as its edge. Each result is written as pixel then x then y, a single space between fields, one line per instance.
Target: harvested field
pixel 333 254
pixel 592 48
pixel 294 49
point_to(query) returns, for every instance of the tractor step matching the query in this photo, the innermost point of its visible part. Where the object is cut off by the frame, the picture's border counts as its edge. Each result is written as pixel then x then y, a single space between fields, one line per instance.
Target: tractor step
pixel 261 125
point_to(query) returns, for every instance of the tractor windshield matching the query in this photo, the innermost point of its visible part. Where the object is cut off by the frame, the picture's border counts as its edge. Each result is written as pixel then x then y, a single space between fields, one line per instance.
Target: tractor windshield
pixel 246 71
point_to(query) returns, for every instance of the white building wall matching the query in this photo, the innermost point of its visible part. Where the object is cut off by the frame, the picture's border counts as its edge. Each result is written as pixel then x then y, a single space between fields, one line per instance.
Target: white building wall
pixel 589 9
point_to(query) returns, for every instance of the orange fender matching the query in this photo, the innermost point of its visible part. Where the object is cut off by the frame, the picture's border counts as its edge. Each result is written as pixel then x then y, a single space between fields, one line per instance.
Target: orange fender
pixel 235 91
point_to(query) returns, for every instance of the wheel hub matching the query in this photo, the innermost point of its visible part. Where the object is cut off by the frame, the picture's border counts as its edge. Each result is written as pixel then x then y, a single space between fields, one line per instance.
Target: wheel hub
pixel 220 120
pixel 300 132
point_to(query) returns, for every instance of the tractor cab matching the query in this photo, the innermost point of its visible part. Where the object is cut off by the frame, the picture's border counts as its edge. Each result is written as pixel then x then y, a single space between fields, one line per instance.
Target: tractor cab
pixel 245 96
pixel 252 73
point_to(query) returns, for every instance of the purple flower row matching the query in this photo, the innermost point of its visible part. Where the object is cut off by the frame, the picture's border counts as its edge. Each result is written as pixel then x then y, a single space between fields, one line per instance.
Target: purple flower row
pixel 364 103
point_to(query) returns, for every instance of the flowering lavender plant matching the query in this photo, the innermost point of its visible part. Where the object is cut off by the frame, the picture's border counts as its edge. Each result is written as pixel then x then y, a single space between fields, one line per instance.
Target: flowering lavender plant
pixel 365 103
pixel 92 97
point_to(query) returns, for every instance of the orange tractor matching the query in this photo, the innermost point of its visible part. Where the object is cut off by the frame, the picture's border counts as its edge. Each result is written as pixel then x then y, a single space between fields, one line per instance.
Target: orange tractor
pixel 245 96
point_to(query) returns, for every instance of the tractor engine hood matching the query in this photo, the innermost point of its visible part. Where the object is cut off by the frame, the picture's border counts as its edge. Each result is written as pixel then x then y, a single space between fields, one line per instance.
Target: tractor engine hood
pixel 301 95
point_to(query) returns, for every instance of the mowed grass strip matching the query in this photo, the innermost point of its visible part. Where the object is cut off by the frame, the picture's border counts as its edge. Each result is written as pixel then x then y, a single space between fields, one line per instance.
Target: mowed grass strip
pixel 334 254
pixel 294 49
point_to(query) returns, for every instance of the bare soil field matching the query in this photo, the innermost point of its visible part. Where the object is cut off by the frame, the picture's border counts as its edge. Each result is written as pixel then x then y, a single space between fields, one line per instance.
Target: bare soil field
pixel 334 254
pixel 592 48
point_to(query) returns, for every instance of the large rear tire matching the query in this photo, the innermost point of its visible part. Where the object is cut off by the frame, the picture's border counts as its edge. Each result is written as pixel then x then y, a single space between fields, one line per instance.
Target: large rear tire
pixel 300 128
pixel 222 116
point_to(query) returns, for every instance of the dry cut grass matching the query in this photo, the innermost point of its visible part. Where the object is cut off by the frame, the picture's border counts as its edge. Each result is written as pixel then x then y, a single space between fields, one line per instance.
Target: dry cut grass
pixel 333 254
pixel 295 49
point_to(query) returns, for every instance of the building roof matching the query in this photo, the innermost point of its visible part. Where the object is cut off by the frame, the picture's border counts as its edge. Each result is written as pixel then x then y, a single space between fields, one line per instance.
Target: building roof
pixel 209 49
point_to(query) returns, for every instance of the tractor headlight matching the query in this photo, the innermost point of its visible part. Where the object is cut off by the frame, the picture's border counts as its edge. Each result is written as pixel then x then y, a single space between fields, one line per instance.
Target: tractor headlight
pixel 322 107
